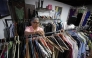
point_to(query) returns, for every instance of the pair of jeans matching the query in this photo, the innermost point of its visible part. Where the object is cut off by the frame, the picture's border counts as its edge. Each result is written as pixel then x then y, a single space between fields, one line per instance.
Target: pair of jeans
pixel 38 49
pixel 31 49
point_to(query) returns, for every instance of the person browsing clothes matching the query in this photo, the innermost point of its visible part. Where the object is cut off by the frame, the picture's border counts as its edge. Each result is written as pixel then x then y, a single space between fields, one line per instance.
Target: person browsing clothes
pixel 34 28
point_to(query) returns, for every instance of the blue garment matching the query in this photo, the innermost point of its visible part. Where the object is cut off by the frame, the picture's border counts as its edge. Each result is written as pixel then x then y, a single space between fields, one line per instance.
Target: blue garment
pixel 38 49
pixel 58 26
pixel 81 47
pixel 86 17
pixel 75 37
pixel 31 49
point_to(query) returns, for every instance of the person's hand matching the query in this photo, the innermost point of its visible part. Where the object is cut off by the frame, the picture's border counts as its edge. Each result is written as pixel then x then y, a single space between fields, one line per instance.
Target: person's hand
pixel 40 32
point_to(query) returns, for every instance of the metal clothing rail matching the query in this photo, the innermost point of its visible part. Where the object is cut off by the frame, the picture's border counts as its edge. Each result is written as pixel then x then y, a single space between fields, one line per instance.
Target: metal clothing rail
pixel 52 32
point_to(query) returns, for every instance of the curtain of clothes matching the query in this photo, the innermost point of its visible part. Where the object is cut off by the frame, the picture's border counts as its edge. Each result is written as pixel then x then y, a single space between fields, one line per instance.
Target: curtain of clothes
pixel 66 44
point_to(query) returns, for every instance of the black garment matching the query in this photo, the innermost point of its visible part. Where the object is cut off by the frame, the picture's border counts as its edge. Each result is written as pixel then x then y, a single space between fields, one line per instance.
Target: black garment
pixel 0 52
pixel 35 13
pixel 47 28
pixel 29 14
pixel 71 20
pixel 60 26
pixel 16 54
pixel 20 29
pixel 66 53
pixel 79 16
pixel 22 50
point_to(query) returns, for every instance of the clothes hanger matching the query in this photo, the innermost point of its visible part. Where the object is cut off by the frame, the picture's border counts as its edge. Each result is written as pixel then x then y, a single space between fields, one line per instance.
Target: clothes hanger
pixel 43 38
pixel 46 48
pixel 61 42
pixel 63 32
pixel 55 43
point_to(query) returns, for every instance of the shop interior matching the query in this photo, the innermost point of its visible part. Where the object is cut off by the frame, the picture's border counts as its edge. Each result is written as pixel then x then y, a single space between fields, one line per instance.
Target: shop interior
pixel 66 26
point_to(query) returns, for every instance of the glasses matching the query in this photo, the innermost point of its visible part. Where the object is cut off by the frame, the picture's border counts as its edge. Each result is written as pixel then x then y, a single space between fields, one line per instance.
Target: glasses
pixel 36 22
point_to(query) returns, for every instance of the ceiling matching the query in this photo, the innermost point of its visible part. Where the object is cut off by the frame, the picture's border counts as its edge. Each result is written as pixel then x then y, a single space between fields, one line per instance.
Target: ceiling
pixel 76 2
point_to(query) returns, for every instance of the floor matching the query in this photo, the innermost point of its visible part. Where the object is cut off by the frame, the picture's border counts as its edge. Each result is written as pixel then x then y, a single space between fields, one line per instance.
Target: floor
pixel 90 55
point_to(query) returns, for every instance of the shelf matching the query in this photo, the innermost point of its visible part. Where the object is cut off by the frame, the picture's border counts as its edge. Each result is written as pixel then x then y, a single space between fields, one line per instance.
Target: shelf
pixel 43 10
pixel 45 19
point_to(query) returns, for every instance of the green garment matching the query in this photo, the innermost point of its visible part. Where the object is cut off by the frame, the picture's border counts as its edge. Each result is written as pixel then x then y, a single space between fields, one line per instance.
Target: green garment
pixel 10 45
pixel 19 13
pixel 81 11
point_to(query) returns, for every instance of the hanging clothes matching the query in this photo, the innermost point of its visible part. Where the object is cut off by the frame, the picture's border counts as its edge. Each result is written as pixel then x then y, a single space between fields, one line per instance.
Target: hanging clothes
pixel 79 16
pixel 86 18
pixel 19 13
pixel 72 12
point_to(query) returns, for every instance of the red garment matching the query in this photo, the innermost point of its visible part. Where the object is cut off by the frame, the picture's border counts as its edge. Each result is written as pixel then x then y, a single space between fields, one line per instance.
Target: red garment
pixel 5 50
pixel 70 46
pixel 44 42
pixel 50 46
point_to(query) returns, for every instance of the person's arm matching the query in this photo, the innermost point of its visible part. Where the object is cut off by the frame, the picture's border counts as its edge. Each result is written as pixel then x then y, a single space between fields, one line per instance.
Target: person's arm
pixel 29 33
pixel 40 32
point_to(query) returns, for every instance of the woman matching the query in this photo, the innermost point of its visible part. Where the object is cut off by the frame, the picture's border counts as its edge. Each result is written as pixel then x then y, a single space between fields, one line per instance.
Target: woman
pixel 34 28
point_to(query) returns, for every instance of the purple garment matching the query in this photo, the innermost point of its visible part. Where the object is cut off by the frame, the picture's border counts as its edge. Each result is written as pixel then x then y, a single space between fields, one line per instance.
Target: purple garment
pixel 72 12
pixel 91 35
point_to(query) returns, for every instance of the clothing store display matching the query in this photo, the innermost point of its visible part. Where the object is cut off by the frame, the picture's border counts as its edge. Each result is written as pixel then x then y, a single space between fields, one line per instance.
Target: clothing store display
pixel 58 40
pixel 67 44
pixel 83 44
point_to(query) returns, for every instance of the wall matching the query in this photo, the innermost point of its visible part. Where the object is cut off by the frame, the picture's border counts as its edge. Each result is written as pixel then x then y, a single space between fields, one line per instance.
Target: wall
pixel 65 7
pixel 2 26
